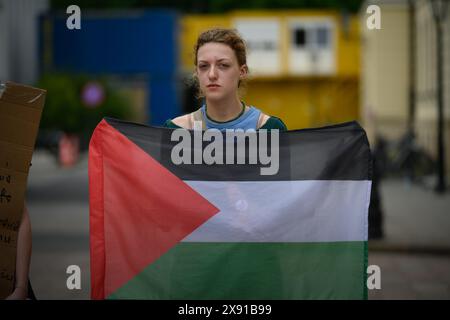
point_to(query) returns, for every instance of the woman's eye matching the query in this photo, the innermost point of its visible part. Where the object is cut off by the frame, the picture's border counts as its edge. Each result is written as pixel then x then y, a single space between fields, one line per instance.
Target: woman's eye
pixel 224 65
pixel 202 66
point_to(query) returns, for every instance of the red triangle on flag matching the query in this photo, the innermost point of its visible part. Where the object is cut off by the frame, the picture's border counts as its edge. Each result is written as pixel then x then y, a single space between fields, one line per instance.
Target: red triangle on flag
pixel 146 209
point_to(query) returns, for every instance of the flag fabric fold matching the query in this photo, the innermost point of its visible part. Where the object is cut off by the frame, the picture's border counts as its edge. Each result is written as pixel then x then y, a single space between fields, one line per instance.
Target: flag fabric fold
pixel 162 230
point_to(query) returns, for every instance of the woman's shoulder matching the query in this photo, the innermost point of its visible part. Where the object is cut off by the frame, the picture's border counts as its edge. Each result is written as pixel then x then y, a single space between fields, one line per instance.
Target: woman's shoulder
pixel 185 121
pixel 178 122
pixel 169 124
pixel 274 123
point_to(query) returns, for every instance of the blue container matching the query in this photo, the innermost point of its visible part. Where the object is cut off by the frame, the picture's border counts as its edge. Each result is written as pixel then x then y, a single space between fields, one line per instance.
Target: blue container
pixel 127 43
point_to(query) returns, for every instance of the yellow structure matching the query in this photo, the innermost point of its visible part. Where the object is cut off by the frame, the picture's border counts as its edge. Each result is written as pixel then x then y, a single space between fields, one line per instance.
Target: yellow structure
pixel 304 65
pixel 385 77
pixel 426 103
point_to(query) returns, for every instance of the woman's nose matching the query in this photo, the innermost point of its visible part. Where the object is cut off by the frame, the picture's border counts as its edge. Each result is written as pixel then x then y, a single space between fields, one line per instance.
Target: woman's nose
pixel 212 74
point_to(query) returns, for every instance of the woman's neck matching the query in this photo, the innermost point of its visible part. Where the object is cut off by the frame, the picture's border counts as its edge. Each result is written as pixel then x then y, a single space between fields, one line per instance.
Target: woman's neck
pixel 224 110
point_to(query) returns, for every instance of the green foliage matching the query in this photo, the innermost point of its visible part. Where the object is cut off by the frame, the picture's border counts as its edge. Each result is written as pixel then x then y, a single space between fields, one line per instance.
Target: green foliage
pixel 64 109
pixel 213 6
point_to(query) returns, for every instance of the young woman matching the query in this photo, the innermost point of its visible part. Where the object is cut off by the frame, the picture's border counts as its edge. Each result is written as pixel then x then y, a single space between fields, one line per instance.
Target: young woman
pixel 220 67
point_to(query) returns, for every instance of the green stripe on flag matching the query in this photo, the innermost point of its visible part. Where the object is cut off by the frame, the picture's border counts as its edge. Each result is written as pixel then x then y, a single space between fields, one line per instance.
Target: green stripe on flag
pixel 194 270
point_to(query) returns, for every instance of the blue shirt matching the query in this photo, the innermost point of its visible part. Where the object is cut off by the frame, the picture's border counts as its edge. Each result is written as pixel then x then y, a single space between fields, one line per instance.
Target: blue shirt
pixel 247 120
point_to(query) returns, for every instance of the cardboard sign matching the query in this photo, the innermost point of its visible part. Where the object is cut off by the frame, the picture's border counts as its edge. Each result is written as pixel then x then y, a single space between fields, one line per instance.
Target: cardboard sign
pixel 20 114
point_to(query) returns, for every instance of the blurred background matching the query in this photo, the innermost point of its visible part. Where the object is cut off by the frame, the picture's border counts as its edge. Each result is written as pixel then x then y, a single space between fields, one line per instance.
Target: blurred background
pixel 312 63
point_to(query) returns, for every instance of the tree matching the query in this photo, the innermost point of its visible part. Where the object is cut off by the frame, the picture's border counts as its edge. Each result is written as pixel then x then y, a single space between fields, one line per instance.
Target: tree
pixel 216 6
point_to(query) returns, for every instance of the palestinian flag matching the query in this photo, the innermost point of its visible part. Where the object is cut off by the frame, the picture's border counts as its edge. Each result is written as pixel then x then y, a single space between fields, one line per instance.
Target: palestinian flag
pixel 159 230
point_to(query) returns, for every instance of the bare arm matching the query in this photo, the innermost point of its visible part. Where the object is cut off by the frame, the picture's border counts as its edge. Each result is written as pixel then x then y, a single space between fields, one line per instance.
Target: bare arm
pixel 23 257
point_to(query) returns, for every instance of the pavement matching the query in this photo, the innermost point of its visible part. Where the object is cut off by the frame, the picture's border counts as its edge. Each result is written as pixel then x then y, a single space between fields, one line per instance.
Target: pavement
pixel 416 219
pixel 414 255
pixel 58 202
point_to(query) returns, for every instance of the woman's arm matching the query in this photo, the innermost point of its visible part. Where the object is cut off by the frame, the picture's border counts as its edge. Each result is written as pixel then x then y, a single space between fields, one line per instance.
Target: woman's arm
pixel 23 257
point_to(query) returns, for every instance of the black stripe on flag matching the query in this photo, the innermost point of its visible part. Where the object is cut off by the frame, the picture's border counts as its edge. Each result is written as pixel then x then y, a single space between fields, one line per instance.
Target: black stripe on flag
pixel 338 152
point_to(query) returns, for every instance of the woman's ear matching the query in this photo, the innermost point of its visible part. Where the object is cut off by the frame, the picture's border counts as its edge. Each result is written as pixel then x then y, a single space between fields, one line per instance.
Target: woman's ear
pixel 195 78
pixel 196 83
pixel 243 71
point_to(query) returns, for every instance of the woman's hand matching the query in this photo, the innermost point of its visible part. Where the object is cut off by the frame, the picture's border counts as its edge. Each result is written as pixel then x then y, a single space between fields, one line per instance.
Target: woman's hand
pixel 23 258
pixel 19 293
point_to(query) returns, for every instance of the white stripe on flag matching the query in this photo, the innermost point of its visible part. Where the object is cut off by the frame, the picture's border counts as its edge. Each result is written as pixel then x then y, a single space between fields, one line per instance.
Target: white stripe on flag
pixel 284 211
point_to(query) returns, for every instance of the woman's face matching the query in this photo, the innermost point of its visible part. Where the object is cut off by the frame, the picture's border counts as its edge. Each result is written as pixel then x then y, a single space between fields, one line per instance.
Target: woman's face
pixel 218 71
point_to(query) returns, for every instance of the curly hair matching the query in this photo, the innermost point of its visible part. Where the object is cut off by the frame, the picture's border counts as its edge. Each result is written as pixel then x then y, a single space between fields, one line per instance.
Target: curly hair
pixel 229 37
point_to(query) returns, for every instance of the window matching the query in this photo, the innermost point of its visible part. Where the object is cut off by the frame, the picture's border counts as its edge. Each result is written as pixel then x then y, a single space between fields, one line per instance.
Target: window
pixel 312 49
pixel 312 36
pixel 300 37
pixel 323 40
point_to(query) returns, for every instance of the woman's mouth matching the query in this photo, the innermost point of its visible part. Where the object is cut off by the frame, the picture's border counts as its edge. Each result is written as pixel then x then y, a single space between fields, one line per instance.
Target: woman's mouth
pixel 212 86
